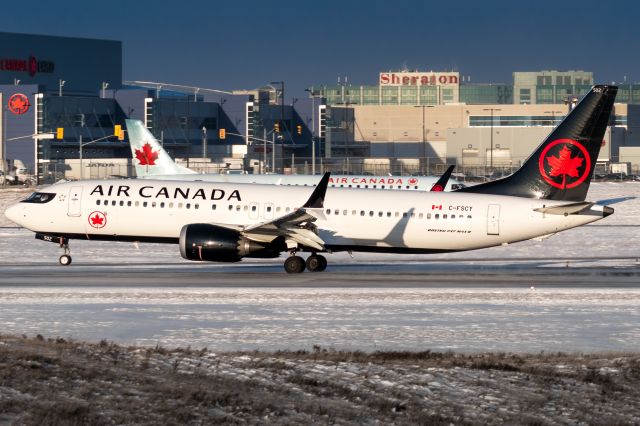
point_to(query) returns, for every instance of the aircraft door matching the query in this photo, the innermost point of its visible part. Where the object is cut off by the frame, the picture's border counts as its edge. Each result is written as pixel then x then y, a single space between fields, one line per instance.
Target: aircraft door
pixel 75 199
pixel 493 219
pixel 268 211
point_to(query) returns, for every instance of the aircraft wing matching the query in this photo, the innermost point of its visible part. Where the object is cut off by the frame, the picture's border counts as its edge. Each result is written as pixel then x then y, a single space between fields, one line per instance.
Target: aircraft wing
pixel 297 225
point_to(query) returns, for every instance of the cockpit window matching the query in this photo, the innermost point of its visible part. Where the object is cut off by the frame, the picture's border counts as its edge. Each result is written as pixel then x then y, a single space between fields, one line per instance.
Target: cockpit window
pixel 40 197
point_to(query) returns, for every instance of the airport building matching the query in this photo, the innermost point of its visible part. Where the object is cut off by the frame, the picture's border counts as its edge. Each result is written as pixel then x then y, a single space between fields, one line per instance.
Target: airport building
pixel 63 97
pixel 412 121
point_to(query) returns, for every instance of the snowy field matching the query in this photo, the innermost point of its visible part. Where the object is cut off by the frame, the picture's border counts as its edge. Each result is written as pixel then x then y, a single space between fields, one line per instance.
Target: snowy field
pixel 486 317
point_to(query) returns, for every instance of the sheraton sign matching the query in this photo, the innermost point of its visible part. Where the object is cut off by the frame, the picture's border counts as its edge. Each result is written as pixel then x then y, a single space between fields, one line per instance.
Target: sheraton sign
pixel 419 78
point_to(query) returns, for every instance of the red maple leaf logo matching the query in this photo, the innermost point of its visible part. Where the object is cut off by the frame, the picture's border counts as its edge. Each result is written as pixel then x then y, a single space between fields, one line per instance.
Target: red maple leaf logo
pixel 555 162
pixel 146 156
pixel 18 103
pixel 97 220
pixel 437 188
pixel 413 181
pixel 564 165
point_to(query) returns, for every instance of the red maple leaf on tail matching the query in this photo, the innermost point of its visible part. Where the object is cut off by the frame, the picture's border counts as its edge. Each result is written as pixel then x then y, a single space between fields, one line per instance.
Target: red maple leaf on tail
pixel 564 165
pixel 96 220
pixel 146 156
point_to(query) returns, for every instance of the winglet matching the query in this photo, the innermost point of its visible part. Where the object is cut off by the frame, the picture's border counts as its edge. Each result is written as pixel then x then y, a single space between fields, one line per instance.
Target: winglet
pixel 316 201
pixel 441 184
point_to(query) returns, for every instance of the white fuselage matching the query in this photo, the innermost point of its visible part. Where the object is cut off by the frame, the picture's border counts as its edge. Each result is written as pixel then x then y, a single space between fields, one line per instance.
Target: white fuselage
pixel 352 219
pixel 415 183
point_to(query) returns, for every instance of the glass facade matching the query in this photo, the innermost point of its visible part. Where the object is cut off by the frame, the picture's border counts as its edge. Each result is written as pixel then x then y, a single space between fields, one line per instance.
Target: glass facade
pixel 514 120
pixel 486 94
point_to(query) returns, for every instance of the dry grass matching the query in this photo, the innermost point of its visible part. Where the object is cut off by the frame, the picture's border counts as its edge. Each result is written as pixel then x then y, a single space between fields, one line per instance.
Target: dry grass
pixel 54 381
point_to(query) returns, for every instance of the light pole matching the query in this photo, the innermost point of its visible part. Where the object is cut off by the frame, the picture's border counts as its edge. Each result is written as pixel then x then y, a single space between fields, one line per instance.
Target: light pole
pixel 204 143
pixel 313 131
pixel 424 138
pixel 491 136
pixel 60 85
pixel 553 116
pixel 104 88
pixel 281 83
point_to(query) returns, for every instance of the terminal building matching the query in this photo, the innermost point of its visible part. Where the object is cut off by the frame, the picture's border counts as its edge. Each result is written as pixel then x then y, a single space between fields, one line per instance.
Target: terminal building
pixel 62 98
pixel 72 89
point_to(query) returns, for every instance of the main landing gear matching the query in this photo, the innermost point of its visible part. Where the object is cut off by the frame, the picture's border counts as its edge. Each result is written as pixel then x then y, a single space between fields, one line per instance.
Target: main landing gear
pixel 295 264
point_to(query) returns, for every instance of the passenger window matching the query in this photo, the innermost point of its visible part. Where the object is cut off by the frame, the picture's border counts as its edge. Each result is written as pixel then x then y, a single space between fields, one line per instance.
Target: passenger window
pixel 268 209
pixel 469 217
pixel 380 214
pixel 278 209
pixel 345 212
pixel 197 206
pixel 253 208
pixel 153 204
pixel 128 203
pixel 113 202
pixel 328 211
pixel 453 216
pixel 121 203
pixel 444 216
pixel 230 207
pixel 288 209
pixel 213 206
pixel 97 202
pixel 179 205
pixel 137 204
pixel 428 215
pixel 162 205
pixel 404 214
pixel 437 216
pixel 353 212
pixel 362 213
pixel 188 205
pixel 144 204
pixel 397 214
pixel 420 216
pixel 239 207
pixel 337 212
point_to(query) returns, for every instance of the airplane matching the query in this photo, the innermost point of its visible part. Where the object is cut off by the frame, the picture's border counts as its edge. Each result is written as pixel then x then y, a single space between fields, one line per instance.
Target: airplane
pixel 226 222
pixel 151 161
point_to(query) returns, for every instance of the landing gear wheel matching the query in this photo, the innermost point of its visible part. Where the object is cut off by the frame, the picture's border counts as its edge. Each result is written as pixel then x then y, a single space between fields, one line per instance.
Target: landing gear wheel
pixel 65 260
pixel 294 265
pixel 316 263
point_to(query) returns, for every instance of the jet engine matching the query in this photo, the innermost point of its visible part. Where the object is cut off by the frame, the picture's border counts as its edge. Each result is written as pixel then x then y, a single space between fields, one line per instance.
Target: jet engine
pixel 203 241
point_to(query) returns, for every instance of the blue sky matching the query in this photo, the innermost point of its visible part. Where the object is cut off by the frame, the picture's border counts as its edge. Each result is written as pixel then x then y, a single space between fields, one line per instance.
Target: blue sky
pixel 246 44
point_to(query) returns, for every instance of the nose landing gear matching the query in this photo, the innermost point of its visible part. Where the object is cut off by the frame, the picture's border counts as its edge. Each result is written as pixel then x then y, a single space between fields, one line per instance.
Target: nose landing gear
pixel 65 259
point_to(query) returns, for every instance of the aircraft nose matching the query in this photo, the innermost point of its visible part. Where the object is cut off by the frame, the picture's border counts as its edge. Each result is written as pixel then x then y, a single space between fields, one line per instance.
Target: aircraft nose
pixel 15 214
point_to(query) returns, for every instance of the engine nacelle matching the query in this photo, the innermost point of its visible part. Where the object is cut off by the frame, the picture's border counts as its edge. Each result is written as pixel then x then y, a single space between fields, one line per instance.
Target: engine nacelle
pixel 203 241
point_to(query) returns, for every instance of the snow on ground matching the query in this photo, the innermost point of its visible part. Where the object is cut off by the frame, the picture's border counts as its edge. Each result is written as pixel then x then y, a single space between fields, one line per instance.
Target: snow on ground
pixel 477 319
pixel 369 319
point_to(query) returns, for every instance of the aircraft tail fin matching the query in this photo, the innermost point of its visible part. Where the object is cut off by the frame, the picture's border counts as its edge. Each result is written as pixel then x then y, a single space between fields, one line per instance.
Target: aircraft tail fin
pixel 149 158
pixel 562 166
pixel 441 184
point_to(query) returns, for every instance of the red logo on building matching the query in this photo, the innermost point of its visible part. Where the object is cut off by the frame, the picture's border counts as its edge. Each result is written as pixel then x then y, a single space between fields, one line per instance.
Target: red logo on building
pixel 564 163
pixel 97 220
pixel 18 103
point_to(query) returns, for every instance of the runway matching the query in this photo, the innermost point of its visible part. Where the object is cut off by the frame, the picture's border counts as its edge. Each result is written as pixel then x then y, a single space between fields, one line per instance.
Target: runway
pixel 373 306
